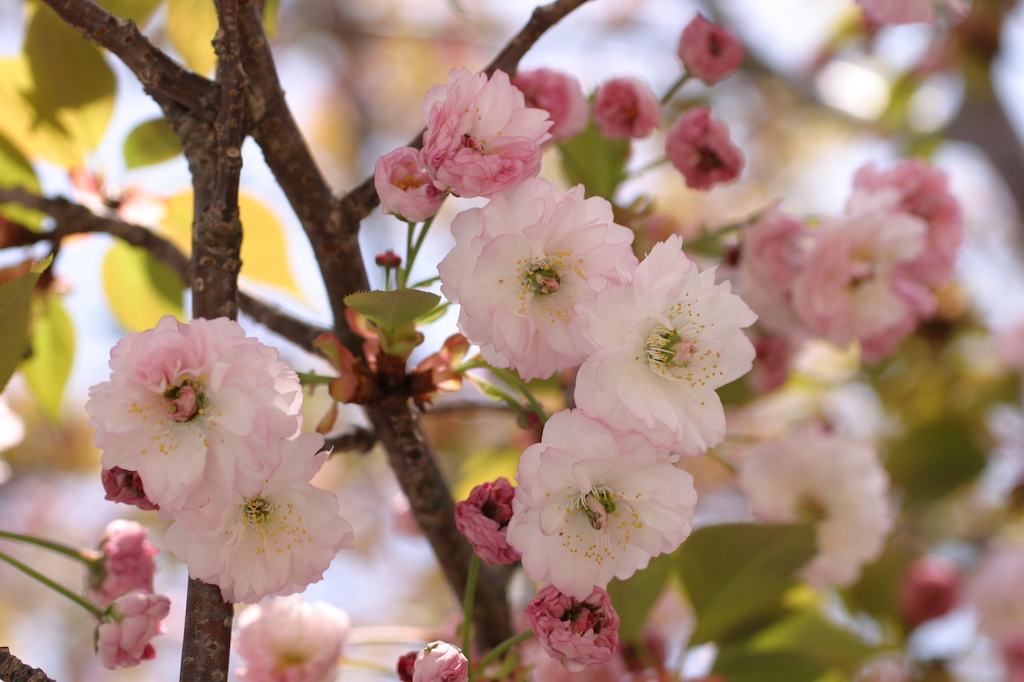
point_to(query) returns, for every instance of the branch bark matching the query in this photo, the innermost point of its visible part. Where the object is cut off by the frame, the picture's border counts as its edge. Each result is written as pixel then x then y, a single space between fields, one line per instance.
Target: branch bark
pixel 13 670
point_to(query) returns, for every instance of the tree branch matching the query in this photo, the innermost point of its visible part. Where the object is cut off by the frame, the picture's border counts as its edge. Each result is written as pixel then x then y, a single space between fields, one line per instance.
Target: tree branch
pixel 13 670
pixel 164 79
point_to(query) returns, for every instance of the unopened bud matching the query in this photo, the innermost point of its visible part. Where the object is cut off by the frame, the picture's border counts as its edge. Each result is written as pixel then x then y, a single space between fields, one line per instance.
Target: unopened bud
pixel 388 259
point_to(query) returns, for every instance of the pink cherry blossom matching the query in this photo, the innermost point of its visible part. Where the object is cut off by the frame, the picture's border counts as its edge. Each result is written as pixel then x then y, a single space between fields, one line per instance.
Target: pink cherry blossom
pixel 709 51
pixel 851 287
pixel 483 518
pixel 593 504
pixel 405 187
pixel 126 562
pixel 520 266
pixel 188 404
pixel 560 95
pixel 127 626
pixel 840 484
pixel 699 147
pixel 663 344
pixel 481 138
pixel 625 107
pixel 923 192
pixel 910 11
pixel 440 662
pixel 774 249
pixel 126 486
pixel 578 633
pixel 275 537
pixel 287 639
pixel 996 590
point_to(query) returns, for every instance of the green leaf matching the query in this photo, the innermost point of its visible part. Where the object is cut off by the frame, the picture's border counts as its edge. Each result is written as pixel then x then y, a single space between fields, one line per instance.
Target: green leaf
pixel 877 590
pixel 634 598
pixel 736 574
pixel 151 142
pixel 737 663
pixel 191 26
pixel 806 633
pixel 72 87
pixel 270 10
pixel 140 288
pixel 599 163
pixel 389 309
pixel 16 171
pixel 53 352
pixel 138 11
pixel 935 459
pixel 15 303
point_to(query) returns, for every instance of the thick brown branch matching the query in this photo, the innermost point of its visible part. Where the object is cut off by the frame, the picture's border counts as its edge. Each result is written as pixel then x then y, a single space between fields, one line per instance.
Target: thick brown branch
pixel 13 670
pixel 164 79
pixel 363 198
pixel 332 238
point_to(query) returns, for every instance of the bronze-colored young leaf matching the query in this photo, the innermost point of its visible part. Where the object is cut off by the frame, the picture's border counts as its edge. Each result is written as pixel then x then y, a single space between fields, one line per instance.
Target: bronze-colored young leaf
pixel 151 142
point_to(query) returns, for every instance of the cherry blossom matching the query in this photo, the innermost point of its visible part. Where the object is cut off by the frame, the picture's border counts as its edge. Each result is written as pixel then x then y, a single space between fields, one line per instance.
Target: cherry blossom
pixel 126 562
pixel 663 344
pixel 851 286
pixel 523 263
pixel 593 504
pixel 404 186
pixel 625 107
pixel 187 402
pixel 839 484
pixel 122 485
pixel 910 11
pixel 996 590
pixel 287 639
pixel 481 138
pixel 578 633
pixel 923 192
pixel 483 518
pixel 127 626
pixel 699 147
pixel 930 588
pixel 560 95
pixel 440 662
pixel 709 51
pixel 275 537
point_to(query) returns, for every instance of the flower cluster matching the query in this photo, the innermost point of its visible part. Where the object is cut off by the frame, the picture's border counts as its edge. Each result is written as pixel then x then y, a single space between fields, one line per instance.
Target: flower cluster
pixel 208 419
pixel 127 626
pixel 126 562
pixel 868 275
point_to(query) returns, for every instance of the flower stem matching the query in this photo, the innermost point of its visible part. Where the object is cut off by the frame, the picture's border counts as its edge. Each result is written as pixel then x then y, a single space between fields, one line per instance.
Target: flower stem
pixel 308 378
pixel 500 650
pixel 513 379
pixel 412 248
pixel 467 620
pixel 32 573
pixel 87 557
pixel 675 86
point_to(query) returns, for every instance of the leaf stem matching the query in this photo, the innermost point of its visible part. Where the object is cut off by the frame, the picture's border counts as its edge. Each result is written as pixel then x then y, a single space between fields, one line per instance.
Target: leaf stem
pixel 87 557
pixel 467 603
pixel 500 650
pixel 311 378
pixel 675 86
pixel 32 573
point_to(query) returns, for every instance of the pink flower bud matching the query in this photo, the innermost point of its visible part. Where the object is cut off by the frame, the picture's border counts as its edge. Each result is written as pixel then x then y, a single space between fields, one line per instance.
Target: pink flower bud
pixel 483 518
pixel 577 633
pixel 930 589
pixel 440 662
pixel 700 149
pixel 388 259
pixel 708 51
pixel 558 94
pixel 405 665
pixel 122 485
pixel 127 562
pixel 404 186
pixel 126 627
pixel 625 107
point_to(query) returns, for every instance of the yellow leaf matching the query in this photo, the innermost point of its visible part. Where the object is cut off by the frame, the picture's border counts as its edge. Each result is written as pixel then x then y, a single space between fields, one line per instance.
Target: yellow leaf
pixel 191 25
pixel 140 288
pixel 264 245
pixel 53 352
